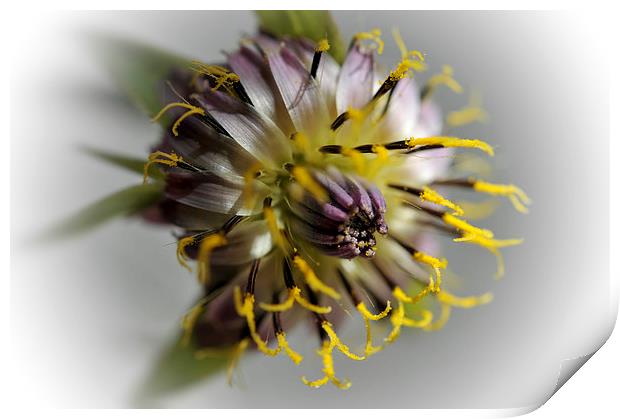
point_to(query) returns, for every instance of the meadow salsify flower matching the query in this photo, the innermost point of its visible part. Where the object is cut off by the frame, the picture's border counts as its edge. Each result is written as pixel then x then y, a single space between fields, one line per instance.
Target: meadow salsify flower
pixel 303 188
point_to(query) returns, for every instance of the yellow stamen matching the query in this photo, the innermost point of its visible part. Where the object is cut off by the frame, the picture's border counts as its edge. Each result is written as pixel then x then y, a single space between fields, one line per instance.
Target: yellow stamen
pixel 328 370
pixel 464 302
pixel 374 36
pixel 427 318
pixel 441 321
pixel 301 142
pixel 189 321
pixel 433 196
pixel 274 230
pixel 368 316
pixel 451 142
pixel 444 78
pixel 517 197
pixel 169 159
pixel 234 358
pixel 313 281
pixel 249 177
pixel 361 307
pixel 406 66
pixel 405 53
pixel 492 245
pixel 467 115
pixel 344 349
pixel 322 45
pixel 295 295
pixel 246 309
pixel 479 210
pixel 221 75
pixel 358 159
pixel 465 227
pixel 401 296
pixel 283 344
pixel 433 262
pixel 207 245
pixel 397 321
pixel 303 177
pixel 182 253
pixel 191 110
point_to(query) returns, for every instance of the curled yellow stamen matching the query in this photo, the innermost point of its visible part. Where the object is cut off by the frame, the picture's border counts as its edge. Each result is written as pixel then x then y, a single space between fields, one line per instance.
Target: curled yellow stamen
pixel 451 142
pixel 191 110
pixel 234 358
pixel 344 349
pixel 405 53
pixel 405 67
pixel 397 321
pixel 473 112
pixel 181 252
pixel 204 253
pixel 361 307
pixel 303 177
pixel 517 197
pixel 283 344
pixel 374 36
pixel 444 78
pixel 294 295
pixel 427 318
pixel 246 309
pixel 433 262
pixel 322 45
pixel 433 196
pixel 313 281
pixel 189 321
pixel 492 245
pixel 401 296
pixel 169 159
pixel 441 321
pixel 368 316
pixel 465 227
pixel 328 370
pixel 464 302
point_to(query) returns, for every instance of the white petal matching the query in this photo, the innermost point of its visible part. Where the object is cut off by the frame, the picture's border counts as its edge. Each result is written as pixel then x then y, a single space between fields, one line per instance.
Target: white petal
pixel 356 80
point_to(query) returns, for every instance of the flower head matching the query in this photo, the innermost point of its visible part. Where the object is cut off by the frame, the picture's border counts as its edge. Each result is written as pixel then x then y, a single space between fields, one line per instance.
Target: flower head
pixel 298 183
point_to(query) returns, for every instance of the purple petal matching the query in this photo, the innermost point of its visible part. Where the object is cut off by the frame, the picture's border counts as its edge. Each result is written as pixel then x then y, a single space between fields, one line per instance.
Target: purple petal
pixel 356 80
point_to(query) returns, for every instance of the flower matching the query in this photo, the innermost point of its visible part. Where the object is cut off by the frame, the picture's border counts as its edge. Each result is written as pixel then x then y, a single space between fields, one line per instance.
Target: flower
pixel 302 187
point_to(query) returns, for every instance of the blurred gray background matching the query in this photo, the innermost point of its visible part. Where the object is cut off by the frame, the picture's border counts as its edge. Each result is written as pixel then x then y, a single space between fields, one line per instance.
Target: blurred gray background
pixel 91 315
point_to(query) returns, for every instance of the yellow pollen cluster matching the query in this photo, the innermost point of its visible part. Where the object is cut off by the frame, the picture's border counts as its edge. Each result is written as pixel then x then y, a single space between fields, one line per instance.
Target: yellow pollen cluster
pixel 322 45
pixel 191 110
pixel 169 159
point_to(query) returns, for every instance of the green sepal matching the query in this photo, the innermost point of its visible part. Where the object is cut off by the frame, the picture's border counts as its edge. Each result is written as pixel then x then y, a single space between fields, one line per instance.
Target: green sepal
pixel 313 24
pixel 119 204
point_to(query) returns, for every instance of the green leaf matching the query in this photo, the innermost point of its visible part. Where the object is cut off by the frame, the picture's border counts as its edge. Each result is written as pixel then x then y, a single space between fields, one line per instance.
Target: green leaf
pixel 178 368
pixel 122 203
pixel 139 69
pixel 132 164
pixel 313 24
